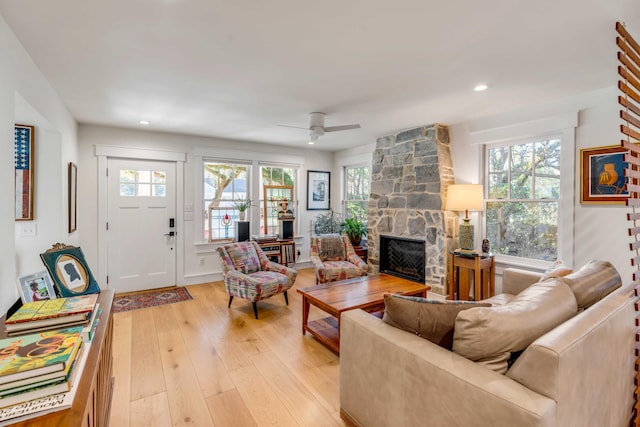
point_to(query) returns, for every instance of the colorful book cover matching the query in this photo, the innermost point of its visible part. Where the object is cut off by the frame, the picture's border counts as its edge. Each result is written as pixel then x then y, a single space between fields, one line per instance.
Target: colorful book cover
pixel 27 408
pixel 59 307
pixel 30 355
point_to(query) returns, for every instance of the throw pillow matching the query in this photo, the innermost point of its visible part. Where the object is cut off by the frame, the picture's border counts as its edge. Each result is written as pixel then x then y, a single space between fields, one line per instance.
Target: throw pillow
pixel 331 247
pixel 592 282
pixel 432 320
pixel 558 269
pixel 489 335
pixel 244 257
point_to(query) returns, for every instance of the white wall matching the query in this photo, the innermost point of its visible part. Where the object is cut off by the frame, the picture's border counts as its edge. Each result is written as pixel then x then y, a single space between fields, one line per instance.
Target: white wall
pixel 599 231
pixel 195 148
pixel 27 98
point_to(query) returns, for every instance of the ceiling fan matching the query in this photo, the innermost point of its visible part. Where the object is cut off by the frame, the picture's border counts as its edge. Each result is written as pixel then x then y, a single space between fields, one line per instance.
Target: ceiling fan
pixel 317 127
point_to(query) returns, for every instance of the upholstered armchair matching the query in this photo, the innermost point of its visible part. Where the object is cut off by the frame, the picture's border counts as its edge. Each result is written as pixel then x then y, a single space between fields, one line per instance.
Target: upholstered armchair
pixel 334 258
pixel 249 274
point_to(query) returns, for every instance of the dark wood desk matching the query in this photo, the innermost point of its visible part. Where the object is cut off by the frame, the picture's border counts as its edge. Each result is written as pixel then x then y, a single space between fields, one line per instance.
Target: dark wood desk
pixel 483 268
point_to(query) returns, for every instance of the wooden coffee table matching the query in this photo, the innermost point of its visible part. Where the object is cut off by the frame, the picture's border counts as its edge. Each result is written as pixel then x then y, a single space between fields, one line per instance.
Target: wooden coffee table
pixel 334 298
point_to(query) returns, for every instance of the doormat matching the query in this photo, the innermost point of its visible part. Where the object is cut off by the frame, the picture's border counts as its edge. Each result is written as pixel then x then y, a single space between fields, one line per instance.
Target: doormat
pixel 152 298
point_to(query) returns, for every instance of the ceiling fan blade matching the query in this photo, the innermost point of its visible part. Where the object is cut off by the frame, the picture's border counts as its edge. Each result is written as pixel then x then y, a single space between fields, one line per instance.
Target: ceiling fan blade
pixel 295 127
pixel 344 127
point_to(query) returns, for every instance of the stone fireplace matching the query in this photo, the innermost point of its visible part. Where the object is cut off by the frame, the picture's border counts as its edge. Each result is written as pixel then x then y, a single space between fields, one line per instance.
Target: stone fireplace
pixel 410 172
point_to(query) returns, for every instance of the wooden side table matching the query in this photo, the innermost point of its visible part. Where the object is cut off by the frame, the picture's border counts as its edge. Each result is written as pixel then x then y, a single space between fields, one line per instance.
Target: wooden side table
pixel 361 251
pixel 483 268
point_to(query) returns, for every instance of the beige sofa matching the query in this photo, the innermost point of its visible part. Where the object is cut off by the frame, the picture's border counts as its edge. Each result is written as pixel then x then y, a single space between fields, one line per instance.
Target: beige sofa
pixel 581 373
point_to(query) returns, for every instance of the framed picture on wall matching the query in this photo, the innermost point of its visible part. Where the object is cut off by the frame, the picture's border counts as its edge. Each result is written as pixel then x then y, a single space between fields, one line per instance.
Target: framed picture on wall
pixel 36 287
pixel 318 190
pixel 602 175
pixel 73 196
pixel 23 144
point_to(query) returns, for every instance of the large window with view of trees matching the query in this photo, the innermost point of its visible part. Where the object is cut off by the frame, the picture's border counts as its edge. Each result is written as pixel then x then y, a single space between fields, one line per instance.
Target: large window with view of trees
pixel 357 184
pixel 523 198
pixel 225 184
pixel 276 175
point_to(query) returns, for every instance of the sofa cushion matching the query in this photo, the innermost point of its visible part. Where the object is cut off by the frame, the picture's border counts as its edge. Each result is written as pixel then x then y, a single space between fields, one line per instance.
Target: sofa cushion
pixel 432 320
pixel 592 282
pixel 489 335
pixel 557 269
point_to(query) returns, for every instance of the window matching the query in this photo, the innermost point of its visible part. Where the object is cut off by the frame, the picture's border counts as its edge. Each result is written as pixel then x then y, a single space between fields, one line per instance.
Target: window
pixel 143 183
pixel 278 176
pixel 224 184
pixel 523 198
pixel 357 185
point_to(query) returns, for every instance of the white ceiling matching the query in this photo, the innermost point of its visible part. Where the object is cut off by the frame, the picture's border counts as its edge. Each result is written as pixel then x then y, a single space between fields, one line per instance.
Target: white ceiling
pixel 236 69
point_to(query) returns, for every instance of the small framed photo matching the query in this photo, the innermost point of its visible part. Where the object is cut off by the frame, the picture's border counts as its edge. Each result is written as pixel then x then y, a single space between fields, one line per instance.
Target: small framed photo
pixel 69 270
pixel 318 190
pixel 36 287
pixel 602 175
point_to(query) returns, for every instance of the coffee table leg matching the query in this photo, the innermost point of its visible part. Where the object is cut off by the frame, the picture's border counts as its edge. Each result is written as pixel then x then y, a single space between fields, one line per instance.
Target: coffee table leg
pixel 305 314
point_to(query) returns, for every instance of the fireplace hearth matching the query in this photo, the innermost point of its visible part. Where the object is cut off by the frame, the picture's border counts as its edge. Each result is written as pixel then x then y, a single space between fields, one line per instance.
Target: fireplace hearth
pixel 402 257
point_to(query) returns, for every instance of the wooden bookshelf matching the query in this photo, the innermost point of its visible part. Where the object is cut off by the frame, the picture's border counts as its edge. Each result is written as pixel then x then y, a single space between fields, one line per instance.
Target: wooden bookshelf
pixel 92 403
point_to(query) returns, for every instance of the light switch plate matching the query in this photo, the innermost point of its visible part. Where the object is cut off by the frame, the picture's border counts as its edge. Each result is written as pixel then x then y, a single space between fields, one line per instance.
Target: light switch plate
pixel 28 229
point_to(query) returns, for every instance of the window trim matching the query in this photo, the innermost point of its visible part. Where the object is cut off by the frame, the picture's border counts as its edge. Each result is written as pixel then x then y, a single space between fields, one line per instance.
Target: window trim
pixel 565 204
pixel 197 208
pixel 345 200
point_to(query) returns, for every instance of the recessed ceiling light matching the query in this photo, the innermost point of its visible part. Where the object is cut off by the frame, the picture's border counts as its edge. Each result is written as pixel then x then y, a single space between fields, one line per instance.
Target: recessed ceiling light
pixel 311 142
pixel 480 88
pixel 143 122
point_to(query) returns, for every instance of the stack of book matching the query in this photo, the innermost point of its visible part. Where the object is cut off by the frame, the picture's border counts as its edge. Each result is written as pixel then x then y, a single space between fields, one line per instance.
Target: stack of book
pixel 44 354
pixel 55 313
pixel 41 364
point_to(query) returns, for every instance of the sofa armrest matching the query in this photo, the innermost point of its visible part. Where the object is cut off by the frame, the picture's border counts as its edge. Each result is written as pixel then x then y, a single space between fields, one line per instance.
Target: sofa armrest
pixel 389 377
pixel 515 280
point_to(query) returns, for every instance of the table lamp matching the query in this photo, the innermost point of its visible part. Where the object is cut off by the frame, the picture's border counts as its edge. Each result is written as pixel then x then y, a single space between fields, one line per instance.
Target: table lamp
pixel 466 197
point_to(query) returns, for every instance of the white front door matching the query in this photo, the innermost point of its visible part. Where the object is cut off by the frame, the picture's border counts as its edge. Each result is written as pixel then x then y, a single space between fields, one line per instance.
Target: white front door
pixel 141 251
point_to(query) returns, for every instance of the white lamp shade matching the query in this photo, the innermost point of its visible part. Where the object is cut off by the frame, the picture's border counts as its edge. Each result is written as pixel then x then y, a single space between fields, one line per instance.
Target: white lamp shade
pixel 464 197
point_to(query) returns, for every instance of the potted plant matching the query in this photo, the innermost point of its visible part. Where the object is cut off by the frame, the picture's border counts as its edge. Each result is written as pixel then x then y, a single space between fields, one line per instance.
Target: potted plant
pixel 355 229
pixel 242 205
pixel 328 223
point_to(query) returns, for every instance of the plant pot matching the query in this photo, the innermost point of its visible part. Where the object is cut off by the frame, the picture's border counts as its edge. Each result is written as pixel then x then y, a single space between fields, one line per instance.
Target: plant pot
pixel 242 215
pixel 355 241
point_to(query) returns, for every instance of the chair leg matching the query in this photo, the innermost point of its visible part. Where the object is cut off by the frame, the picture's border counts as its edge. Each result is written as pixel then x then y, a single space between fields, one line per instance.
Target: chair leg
pixel 230 299
pixel 286 297
pixel 255 309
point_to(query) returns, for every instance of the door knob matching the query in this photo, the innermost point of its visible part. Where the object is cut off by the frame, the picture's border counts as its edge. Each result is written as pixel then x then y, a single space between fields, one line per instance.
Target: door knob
pixel 170 234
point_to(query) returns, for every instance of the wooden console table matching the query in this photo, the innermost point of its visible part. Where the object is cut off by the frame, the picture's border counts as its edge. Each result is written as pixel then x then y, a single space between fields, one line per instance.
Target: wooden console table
pixel 92 402
pixel 483 268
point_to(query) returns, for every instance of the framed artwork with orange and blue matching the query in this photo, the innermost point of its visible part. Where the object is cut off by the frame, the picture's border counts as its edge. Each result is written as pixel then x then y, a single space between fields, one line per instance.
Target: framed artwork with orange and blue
pixel 602 175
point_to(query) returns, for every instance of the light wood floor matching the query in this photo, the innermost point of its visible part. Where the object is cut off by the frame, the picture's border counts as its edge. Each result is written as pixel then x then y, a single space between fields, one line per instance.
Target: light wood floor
pixel 199 363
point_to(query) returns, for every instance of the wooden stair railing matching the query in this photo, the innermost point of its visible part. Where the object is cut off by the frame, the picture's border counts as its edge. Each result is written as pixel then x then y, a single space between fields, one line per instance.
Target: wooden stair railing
pixel 629 85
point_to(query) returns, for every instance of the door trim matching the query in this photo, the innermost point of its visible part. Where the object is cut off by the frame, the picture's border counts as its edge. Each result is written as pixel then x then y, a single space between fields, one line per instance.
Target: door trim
pixel 103 153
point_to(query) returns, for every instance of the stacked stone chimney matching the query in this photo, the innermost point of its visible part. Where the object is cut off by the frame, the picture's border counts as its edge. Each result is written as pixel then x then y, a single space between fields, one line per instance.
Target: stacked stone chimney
pixel 410 173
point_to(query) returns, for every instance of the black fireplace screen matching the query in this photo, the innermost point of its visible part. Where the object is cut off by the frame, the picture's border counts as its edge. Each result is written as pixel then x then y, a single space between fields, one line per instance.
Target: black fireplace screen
pixel 402 257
